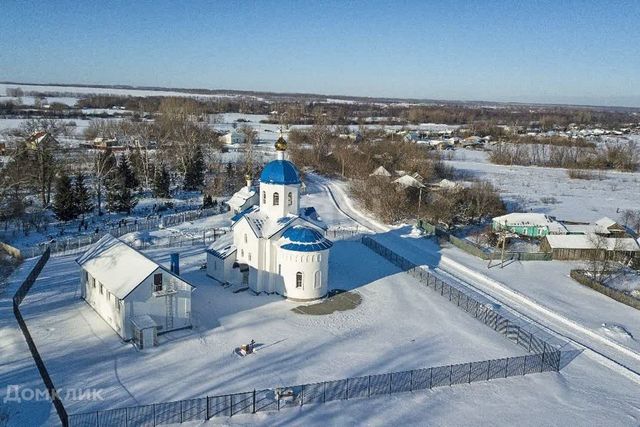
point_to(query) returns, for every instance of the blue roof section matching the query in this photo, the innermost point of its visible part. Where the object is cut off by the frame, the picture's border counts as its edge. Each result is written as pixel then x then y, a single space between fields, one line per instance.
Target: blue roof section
pixel 280 172
pixel 304 239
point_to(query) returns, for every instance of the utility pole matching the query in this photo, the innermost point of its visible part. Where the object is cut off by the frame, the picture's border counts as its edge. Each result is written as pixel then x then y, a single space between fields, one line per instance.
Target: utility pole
pixel 504 239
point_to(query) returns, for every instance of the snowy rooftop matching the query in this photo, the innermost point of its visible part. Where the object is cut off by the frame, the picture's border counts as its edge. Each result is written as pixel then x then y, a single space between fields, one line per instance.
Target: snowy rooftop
pixel 584 241
pixel 116 265
pixel 221 249
pixel 381 171
pixel 241 197
pixel 408 181
pixel 530 219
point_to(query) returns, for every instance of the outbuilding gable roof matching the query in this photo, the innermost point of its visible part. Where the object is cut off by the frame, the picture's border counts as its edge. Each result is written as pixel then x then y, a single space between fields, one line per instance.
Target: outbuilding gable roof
pixel 117 266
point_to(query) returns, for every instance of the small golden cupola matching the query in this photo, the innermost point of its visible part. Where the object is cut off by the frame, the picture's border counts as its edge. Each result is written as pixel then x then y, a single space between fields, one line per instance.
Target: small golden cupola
pixel 281 144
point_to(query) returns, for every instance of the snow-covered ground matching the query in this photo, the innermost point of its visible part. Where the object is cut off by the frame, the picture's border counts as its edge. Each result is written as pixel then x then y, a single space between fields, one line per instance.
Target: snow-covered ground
pixel 398 326
pixel 550 191
pixel 593 389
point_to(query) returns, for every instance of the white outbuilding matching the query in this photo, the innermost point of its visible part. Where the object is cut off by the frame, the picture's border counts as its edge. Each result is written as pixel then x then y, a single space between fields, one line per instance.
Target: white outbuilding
pixel 136 296
pixel 278 247
pixel 232 137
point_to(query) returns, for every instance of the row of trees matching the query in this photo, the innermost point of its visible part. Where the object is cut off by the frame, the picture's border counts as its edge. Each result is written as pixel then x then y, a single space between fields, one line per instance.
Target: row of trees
pixel 624 157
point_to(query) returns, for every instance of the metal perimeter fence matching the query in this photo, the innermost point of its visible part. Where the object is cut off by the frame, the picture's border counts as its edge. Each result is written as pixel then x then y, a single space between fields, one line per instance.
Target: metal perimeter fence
pixel 74 244
pixel 204 408
pixel 20 294
pixel 514 328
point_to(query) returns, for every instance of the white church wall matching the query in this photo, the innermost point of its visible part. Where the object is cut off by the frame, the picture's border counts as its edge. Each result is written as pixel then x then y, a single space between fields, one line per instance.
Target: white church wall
pixel 285 205
pixel 311 265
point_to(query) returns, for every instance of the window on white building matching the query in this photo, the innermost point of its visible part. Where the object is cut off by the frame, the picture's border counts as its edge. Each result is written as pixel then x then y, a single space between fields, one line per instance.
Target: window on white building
pixel 157 282
pixel 108 296
pixel 290 198
pixel 242 253
pixel 249 256
pixel 276 199
pixel 316 280
pixel 101 289
pixel 264 197
pixel 298 279
pixel 93 281
pixel 245 237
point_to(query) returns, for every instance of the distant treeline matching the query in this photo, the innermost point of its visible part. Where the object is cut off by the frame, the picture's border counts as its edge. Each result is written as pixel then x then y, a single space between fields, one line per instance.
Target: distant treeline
pixel 623 157
pixel 295 110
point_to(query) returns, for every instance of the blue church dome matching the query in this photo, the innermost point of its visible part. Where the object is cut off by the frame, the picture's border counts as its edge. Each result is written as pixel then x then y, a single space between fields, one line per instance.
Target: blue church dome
pixel 280 172
pixel 304 239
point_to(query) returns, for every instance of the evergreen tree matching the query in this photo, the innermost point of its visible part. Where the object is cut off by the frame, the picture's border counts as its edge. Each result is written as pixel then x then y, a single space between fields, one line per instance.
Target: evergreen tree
pixel 125 170
pixel 161 183
pixel 194 176
pixel 207 201
pixel 120 197
pixel 64 202
pixel 82 195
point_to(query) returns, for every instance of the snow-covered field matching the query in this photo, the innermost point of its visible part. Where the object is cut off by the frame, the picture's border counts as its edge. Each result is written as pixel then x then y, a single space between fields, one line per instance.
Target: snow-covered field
pixel 84 91
pixel 549 190
pixel 593 389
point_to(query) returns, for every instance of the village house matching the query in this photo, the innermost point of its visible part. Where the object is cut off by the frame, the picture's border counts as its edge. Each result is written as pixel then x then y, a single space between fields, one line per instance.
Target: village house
pixel 590 247
pixel 134 295
pixel 38 139
pixel 528 224
pixel 232 137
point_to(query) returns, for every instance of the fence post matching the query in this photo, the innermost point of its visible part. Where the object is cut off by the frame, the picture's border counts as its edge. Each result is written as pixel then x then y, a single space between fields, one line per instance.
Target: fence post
pixel 430 378
pixel 254 401
pixel 544 352
pixel 488 370
pixel 301 395
pixel 506 368
pixel 368 387
pixel 154 414
pixel 181 411
pixel 126 417
pixel 324 392
pixel 390 381
pixel 450 374
pixel 208 406
pixel 470 372
pixel 411 381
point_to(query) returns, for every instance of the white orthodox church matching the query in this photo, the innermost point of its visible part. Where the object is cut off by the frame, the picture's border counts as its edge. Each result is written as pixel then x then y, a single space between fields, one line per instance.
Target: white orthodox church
pixel 278 247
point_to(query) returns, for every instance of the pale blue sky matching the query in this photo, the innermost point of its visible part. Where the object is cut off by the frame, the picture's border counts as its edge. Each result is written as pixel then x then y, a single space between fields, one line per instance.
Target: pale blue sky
pixel 529 51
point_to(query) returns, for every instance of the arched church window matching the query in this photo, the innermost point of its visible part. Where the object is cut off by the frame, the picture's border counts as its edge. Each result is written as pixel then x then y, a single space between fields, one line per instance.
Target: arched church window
pixel 276 199
pixel 316 280
pixel 264 197
pixel 298 279
pixel 290 198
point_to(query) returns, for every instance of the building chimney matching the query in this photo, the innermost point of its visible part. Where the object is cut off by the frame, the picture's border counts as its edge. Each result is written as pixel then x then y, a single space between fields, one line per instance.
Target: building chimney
pixel 175 263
